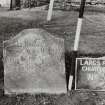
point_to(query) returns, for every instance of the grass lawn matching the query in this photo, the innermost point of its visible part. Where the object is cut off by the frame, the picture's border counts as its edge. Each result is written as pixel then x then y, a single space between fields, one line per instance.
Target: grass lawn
pixel 63 25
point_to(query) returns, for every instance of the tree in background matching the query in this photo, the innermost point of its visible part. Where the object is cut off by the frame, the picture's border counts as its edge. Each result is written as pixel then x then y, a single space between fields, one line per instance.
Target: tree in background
pixel 18 4
pixel 15 4
pixel 11 7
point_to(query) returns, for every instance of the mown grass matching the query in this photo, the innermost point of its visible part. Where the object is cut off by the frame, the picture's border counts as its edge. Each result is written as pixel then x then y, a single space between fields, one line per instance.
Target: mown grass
pixel 91 44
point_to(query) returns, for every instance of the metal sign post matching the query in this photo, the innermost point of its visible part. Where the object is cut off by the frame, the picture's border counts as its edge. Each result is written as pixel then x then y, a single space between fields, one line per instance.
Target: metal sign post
pixel 49 15
pixel 76 43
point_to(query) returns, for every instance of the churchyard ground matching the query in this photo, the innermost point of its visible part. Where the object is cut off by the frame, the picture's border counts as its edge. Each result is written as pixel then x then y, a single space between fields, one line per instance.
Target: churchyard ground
pixel 63 24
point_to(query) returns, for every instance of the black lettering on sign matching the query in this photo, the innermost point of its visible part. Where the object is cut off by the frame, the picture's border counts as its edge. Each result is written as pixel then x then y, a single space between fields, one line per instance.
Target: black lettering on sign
pixel 90 73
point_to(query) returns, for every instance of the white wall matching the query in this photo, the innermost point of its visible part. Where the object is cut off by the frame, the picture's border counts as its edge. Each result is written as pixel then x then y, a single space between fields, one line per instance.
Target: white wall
pixel 5 3
pixel 80 0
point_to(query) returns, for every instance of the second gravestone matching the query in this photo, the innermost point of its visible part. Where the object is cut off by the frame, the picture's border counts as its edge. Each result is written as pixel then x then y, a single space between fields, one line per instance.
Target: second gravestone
pixel 34 63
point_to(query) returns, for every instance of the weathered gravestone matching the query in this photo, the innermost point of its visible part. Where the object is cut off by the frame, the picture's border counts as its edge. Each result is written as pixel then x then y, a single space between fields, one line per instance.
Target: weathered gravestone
pixel 34 63
pixel 90 74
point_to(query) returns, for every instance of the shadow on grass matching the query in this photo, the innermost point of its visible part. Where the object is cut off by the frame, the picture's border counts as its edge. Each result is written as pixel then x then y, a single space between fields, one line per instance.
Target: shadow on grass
pixel 68 64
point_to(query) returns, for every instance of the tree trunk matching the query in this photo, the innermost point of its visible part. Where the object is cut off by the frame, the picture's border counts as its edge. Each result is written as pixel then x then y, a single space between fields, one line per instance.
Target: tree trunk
pixel 11 7
pixel 18 4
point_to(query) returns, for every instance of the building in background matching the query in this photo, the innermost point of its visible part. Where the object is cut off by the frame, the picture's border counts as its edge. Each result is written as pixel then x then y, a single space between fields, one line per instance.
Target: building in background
pixel 5 3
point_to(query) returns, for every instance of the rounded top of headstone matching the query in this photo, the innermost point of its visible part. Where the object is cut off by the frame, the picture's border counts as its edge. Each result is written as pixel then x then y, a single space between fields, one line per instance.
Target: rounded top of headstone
pixel 31 34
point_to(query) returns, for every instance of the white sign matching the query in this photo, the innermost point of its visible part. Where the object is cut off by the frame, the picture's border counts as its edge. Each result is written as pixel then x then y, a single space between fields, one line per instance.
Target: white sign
pixel 90 74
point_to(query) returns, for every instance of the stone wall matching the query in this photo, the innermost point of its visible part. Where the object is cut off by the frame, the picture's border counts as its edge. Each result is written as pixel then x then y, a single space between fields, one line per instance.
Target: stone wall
pixel 33 3
pixel 60 4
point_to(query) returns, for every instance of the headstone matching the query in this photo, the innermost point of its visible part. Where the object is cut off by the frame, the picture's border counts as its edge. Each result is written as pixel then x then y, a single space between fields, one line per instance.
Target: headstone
pixel 90 74
pixel 34 63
